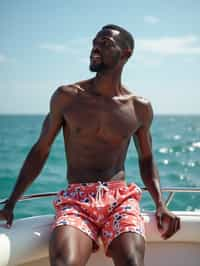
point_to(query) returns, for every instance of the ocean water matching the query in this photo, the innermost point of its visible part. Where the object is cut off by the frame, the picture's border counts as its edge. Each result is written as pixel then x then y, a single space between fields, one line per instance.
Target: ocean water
pixel 176 146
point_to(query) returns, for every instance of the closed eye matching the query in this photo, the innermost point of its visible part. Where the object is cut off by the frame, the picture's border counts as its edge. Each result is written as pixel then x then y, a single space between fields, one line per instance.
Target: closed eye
pixel 106 42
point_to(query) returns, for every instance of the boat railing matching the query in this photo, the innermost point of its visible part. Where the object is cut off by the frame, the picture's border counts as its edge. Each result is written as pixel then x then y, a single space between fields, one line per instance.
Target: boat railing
pixel 173 190
pixel 170 190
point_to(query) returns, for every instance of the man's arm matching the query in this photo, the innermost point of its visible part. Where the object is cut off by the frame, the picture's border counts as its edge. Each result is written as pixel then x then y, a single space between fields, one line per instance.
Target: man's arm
pixel 166 220
pixel 36 158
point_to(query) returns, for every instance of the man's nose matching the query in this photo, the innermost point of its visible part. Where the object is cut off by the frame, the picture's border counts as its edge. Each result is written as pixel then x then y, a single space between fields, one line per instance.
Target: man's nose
pixel 96 49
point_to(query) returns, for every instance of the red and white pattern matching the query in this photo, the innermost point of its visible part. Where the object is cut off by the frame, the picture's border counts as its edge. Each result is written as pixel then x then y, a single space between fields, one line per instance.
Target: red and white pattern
pixel 102 209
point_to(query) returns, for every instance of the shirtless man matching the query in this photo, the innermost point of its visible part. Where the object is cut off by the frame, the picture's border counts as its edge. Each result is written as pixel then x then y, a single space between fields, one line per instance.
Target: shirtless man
pixel 98 117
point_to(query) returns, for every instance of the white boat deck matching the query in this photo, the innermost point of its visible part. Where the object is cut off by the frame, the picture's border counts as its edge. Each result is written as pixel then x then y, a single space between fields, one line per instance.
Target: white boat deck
pixel 26 243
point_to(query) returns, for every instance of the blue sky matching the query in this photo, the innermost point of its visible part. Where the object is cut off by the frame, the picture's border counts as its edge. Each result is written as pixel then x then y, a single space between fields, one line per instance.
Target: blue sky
pixel 45 44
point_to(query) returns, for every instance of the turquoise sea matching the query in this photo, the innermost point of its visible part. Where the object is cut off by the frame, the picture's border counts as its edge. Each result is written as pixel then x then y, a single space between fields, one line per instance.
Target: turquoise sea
pixel 176 145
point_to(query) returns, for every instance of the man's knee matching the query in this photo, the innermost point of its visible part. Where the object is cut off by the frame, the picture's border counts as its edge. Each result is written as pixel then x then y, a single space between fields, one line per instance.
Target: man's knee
pixel 132 260
pixel 128 250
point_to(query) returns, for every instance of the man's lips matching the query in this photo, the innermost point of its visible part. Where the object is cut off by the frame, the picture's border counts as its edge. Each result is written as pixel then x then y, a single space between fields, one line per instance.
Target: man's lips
pixel 95 56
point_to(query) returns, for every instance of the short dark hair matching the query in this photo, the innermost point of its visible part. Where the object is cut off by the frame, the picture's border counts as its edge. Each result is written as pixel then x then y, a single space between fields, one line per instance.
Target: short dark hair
pixel 126 36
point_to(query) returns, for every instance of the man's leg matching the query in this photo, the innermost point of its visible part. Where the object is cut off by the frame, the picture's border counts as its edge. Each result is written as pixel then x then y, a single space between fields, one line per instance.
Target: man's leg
pixel 127 250
pixel 69 247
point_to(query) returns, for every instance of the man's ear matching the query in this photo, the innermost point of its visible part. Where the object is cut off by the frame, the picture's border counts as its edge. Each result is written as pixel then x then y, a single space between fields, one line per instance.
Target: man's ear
pixel 129 52
pixel 126 53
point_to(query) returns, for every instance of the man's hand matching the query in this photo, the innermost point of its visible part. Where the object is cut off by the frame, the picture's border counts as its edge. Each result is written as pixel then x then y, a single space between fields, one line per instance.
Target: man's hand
pixel 168 223
pixel 7 215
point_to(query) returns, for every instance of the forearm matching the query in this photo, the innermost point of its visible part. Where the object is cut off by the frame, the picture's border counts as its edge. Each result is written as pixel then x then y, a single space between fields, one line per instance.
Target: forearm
pixel 151 179
pixel 29 171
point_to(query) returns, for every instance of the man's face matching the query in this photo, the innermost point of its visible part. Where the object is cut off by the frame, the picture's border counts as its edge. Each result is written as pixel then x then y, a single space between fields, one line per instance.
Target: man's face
pixel 106 51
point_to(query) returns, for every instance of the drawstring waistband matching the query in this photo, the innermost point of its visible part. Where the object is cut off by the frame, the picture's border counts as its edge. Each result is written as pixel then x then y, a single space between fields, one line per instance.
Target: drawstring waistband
pixel 98 188
pixel 95 192
pixel 101 187
pixel 94 185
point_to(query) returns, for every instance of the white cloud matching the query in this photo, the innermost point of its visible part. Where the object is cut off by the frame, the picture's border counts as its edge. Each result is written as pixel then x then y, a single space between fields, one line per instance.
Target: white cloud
pixel 170 45
pixel 151 19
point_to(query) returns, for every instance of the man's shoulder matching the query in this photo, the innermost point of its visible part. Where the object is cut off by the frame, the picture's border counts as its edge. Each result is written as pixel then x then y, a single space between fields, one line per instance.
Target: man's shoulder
pixel 143 109
pixel 70 91
pixel 138 101
pixel 142 102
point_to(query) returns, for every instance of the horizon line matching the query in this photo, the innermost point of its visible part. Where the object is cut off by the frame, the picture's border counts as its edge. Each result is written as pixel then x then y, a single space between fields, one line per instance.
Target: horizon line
pixel 31 114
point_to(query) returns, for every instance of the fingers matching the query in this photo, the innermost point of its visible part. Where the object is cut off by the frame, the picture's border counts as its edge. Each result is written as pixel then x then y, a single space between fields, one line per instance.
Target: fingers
pixel 9 221
pixel 173 227
pixel 159 221
pixel 178 224
pixel 169 231
pixel 6 216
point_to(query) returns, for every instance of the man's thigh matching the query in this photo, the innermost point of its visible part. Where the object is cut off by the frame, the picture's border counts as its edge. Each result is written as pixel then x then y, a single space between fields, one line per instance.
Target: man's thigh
pixel 127 249
pixel 69 246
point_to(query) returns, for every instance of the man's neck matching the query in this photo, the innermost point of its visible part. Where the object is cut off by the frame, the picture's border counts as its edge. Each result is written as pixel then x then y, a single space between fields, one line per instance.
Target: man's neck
pixel 107 84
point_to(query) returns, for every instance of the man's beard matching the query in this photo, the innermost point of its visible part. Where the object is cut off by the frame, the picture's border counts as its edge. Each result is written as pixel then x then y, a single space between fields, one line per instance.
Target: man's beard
pixel 101 66
pixel 97 67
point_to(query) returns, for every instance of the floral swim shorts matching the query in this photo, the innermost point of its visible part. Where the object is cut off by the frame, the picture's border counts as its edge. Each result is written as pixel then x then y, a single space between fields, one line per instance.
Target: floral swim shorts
pixel 102 209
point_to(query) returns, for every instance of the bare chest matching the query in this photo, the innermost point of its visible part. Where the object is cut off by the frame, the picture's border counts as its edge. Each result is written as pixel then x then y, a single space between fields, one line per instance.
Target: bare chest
pixel 101 119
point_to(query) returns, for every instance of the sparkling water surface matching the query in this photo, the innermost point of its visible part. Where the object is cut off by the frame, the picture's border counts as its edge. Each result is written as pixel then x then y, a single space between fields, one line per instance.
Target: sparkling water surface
pixel 176 146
